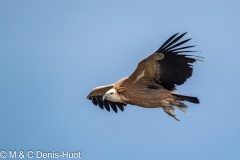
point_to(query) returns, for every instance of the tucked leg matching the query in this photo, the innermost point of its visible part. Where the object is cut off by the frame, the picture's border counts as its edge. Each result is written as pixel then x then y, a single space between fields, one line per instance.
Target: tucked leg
pixel 181 106
pixel 171 112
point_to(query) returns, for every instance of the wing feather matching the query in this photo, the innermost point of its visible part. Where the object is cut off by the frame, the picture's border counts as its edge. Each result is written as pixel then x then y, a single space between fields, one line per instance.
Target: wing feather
pixel 166 42
pixel 120 106
pixel 94 101
pixel 167 66
pixel 176 45
pixel 113 106
pixel 106 105
pixel 172 42
pixel 176 49
pixel 99 101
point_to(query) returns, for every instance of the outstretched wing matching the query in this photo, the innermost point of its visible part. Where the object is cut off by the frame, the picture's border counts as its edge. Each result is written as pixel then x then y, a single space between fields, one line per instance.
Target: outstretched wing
pixel 168 66
pixel 96 96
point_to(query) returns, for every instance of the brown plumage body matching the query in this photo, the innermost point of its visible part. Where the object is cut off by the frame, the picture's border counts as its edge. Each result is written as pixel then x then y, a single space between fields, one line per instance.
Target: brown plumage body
pixel 154 97
pixel 153 83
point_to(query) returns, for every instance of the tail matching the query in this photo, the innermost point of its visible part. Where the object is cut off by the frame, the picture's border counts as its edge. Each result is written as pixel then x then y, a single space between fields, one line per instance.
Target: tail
pixel 187 98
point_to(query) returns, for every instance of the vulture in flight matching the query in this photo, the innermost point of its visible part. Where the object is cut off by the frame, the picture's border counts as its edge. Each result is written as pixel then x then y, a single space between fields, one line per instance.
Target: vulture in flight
pixel 154 81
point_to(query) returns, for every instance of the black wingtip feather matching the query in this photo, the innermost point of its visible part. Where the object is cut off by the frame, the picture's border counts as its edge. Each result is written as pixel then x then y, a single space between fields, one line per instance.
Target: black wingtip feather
pixel 99 101
pixel 113 106
pixel 176 45
pixel 106 105
pixel 94 101
pixel 173 42
pixel 166 42
pixel 120 106
pixel 176 49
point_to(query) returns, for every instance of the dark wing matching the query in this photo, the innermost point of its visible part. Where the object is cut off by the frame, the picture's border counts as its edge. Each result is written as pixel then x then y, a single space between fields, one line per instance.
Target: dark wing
pixel 96 96
pixel 168 66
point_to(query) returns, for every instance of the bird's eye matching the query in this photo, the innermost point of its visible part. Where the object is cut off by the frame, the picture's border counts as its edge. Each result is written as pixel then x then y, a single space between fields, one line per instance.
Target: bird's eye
pixel 111 93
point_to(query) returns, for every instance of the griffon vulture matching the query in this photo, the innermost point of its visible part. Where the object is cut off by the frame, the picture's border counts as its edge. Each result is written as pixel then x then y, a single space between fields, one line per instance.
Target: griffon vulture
pixel 154 81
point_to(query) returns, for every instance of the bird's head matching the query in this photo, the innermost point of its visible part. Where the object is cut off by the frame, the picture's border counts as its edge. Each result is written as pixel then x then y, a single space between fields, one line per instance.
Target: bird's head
pixel 112 95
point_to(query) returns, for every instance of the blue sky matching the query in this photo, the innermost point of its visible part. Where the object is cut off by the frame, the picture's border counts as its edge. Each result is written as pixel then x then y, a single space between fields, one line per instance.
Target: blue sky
pixel 53 53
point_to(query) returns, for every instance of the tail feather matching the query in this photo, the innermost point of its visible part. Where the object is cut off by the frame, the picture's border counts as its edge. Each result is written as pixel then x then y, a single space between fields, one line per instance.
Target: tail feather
pixel 187 98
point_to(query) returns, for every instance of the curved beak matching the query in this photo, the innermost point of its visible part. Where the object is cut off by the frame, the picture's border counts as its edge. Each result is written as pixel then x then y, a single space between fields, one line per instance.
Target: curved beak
pixel 104 97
